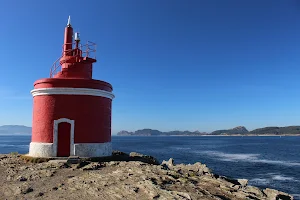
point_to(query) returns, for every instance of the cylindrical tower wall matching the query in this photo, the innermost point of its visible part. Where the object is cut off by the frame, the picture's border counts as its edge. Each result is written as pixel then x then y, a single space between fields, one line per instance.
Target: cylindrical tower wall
pixel 68 40
pixel 92 116
pixel 86 104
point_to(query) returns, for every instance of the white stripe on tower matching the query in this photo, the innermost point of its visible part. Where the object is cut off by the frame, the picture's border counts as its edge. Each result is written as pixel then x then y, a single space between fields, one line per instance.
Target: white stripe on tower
pixel 72 91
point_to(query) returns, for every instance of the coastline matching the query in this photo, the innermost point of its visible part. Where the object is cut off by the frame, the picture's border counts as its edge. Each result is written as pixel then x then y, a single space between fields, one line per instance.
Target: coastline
pixel 121 176
pixel 234 135
pixel 249 135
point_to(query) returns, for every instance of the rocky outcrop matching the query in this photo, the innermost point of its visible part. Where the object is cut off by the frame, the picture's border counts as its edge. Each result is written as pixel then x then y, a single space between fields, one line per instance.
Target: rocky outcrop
pixel 239 130
pixel 288 130
pixel 233 131
pixel 125 176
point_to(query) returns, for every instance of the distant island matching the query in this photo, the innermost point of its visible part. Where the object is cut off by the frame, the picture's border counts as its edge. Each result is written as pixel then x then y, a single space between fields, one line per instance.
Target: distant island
pixel 15 129
pixel 237 131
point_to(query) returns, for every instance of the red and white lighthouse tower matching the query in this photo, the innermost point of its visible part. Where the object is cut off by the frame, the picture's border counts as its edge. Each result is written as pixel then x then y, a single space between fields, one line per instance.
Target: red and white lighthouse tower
pixel 72 111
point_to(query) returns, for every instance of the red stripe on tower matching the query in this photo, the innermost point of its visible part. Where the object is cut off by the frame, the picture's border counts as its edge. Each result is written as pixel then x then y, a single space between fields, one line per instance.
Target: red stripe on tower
pixel 72 111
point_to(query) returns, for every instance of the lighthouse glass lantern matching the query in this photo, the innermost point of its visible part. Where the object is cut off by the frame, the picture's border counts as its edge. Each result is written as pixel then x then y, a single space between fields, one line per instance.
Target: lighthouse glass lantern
pixel 71 110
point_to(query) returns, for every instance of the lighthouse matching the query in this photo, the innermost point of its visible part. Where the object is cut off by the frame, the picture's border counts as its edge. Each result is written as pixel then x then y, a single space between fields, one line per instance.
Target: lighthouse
pixel 71 110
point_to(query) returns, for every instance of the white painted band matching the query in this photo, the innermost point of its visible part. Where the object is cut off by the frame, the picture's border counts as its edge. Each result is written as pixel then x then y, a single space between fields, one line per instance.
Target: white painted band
pixel 37 149
pixel 72 91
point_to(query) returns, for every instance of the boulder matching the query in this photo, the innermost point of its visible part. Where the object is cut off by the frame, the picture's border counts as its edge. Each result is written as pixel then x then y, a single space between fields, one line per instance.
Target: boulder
pixel 143 158
pixel 275 194
pixel 243 182
pixel 169 163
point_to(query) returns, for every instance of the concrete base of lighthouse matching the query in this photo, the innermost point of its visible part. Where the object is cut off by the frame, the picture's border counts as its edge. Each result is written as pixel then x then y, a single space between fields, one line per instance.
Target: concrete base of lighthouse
pixel 37 149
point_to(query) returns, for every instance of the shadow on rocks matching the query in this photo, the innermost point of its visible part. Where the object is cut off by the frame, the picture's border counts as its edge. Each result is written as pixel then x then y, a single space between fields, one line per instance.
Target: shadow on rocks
pixel 121 156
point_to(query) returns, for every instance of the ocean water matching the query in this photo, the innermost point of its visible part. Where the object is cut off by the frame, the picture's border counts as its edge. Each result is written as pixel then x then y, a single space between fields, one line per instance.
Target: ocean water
pixel 266 161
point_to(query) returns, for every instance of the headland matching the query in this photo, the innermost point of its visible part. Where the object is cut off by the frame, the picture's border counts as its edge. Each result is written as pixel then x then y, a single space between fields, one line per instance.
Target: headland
pixel 120 176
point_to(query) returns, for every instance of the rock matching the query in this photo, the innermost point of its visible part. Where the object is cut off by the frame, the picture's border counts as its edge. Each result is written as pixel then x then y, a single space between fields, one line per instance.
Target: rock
pixel 144 158
pixel 113 163
pixel 275 194
pixel 82 164
pixel 23 168
pixel 55 188
pixel 283 197
pixel 60 185
pixel 254 190
pixel 47 173
pixel 135 154
pixel 243 182
pixel 155 195
pixel 201 168
pixel 93 166
pixel 243 195
pixel 124 176
pixel 39 194
pixel 3 157
pixel 119 153
pixel 169 163
pixel 9 177
pixel 73 160
pixel 174 174
pixel 34 177
pixel 21 178
pixel 131 188
pixel 64 165
pixel 230 180
pixel 27 190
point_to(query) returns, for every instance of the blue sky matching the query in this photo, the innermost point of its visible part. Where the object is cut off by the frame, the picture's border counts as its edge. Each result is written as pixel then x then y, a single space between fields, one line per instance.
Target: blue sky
pixel 174 65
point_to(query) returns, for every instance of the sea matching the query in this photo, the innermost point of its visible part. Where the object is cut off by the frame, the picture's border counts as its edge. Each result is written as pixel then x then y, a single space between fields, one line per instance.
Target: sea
pixel 266 161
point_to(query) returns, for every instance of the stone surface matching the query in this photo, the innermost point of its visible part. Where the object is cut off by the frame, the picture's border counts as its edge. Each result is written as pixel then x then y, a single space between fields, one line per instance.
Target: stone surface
pixel 73 160
pixel 124 176
pixel 243 182
pixel 274 194
pixel 143 158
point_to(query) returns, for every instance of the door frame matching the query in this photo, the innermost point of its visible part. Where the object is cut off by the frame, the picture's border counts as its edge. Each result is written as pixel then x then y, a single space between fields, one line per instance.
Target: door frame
pixel 55 135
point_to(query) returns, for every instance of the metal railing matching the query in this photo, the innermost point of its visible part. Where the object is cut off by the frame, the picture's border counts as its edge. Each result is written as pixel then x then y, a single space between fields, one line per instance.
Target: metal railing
pixel 87 50
pixel 56 65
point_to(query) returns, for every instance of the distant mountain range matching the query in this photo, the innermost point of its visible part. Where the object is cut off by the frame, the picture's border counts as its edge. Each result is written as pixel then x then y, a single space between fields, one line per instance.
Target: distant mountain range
pixel 150 132
pixel 14 129
pixel 240 130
